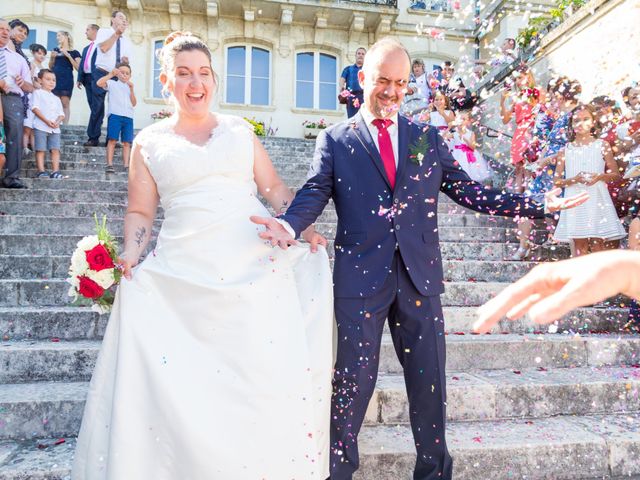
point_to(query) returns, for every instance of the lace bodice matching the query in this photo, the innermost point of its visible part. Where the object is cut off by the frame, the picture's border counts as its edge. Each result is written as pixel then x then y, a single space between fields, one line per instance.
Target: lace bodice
pixel 177 164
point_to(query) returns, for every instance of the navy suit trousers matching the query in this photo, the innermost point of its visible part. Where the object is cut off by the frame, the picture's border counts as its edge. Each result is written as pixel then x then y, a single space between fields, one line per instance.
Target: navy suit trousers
pixel 417 330
pixel 96 104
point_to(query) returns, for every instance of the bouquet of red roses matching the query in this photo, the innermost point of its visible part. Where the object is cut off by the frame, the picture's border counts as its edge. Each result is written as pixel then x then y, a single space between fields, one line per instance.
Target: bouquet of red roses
pixel 93 273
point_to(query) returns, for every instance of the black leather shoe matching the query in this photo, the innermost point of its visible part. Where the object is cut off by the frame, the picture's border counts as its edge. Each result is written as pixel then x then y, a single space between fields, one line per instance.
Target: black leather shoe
pixel 90 143
pixel 13 183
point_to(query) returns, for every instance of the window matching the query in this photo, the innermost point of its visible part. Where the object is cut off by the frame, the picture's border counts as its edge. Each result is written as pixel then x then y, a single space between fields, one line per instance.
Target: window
pixel 52 41
pixel 156 86
pixel 31 39
pixel 248 75
pixel 316 81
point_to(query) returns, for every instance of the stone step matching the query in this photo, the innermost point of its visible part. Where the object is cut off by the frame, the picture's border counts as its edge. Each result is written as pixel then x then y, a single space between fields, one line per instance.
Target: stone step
pixel 53 291
pixel 64 244
pixel 529 393
pixel 589 447
pixel 46 267
pixel 35 410
pixel 119 197
pixel 59 360
pixel 508 351
pixel 52 212
pixel 562 448
pixel 72 323
pixel 452 227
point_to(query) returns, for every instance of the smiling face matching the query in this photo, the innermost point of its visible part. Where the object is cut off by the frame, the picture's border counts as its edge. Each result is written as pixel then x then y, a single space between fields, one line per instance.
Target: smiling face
pixel 120 20
pixel 633 99
pixel 4 33
pixel 384 79
pixel 418 70
pixel 439 100
pixel 19 34
pixel 191 83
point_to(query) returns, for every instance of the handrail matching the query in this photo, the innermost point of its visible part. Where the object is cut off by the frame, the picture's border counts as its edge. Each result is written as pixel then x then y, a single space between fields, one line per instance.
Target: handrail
pixel 499 132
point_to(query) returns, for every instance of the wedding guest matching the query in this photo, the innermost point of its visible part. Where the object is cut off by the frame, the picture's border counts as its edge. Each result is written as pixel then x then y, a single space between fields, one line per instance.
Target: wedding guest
pixel 49 114
pixel 15 81
pixel 554 289
pixel 39 53
pixel 439 115
pixel 87 65
pixel 465 150
pixel 122 100
pixel 3 146
pixel 525 98
pixel 19 33
pixel 113 48
pixel 419 96
pixel 586 165
pixel 349 85
pixel 62 62
pixel 608 118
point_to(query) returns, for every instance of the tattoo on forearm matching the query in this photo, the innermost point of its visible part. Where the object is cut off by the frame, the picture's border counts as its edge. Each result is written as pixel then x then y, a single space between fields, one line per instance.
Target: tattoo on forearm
pixel 140 233
pixel 285 205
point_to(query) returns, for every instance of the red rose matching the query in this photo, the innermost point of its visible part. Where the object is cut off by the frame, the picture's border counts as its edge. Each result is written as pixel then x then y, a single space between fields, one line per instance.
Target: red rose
pixel 89 289
pixel 98 258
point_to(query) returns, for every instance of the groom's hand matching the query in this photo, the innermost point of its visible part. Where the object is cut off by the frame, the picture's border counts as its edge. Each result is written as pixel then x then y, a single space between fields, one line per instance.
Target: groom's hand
pixel 554 203
pixel 274 232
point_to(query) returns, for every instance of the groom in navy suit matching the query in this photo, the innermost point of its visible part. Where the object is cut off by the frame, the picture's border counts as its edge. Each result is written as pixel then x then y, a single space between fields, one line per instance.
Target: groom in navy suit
pixel 384 175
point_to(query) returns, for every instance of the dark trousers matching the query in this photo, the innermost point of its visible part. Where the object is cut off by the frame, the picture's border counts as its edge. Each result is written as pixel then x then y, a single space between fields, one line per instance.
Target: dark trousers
pixel 13 119
pixel 417 330
pixel 96 104
pixel 354 103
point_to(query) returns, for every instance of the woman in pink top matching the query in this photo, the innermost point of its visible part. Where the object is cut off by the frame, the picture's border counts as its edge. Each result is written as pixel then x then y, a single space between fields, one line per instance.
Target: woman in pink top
pixel 525 105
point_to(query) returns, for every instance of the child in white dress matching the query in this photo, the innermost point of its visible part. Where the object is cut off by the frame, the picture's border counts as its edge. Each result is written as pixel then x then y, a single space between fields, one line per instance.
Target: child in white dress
pixel 464 149
pixel 587 164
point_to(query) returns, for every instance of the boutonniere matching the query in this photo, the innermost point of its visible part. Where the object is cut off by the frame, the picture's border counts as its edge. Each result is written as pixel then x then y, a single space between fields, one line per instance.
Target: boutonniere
pixel 418 148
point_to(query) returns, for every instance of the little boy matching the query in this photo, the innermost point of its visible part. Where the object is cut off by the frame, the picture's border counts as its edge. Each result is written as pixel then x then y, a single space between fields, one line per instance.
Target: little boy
pixel 48 112
pixel 39 53
pixel 120 110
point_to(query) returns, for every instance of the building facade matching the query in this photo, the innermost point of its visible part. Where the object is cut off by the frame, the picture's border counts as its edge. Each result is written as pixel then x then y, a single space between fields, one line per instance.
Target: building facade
pixel 278 61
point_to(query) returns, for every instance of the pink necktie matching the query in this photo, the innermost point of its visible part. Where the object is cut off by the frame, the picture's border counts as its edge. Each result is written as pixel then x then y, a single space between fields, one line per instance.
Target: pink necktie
pixel 386 149
pixel 87 59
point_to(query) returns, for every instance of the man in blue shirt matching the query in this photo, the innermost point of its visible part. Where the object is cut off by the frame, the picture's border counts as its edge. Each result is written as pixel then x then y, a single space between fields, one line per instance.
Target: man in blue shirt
pixel 350 86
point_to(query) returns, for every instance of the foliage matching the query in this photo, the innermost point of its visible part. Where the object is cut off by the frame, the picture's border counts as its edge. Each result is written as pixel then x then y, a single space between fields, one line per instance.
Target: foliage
pixel 319 124
pixel 258 127
pixel 530 34
pixel 161 114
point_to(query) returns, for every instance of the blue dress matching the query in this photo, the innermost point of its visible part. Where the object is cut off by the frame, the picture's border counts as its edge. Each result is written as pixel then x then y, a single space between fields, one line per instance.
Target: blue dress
pixel 64 73
pixel 553 135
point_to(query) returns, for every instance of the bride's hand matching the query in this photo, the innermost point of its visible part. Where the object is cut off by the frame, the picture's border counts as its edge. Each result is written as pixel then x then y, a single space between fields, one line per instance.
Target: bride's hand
pixel 314 238
pixel 125 264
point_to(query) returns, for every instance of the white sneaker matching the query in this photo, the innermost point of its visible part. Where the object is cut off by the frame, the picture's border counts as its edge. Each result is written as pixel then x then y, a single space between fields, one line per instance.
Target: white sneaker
pixel 26 152
pixel 519 255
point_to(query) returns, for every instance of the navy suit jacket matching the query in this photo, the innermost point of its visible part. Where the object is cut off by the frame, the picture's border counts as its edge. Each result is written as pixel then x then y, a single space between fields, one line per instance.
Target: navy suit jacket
pixel 372 218
pixel 83 78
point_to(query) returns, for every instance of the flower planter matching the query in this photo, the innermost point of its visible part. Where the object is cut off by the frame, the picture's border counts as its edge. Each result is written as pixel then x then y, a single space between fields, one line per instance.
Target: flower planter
pixel 312 132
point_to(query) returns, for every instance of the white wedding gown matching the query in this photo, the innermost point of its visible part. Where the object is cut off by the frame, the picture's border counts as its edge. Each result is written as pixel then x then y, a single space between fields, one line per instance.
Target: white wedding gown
pixel 216 363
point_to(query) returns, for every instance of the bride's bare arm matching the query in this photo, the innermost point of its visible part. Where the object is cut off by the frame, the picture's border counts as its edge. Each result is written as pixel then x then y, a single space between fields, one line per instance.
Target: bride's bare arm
pixel 270 185
pixel 274 190
pixel 141 211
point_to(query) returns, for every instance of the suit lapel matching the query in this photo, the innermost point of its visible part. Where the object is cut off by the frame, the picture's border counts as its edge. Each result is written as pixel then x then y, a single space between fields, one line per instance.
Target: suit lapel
pixel 361 131
pixel 404 131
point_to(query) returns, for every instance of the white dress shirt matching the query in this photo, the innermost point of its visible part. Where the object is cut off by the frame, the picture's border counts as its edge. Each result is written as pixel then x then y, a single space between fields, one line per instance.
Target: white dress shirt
pixel 373 130
pixel 107 60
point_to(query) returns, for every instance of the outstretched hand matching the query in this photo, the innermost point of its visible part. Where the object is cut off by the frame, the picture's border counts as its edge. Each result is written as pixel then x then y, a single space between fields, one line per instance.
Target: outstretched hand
pixel 551 290
pixel 274 232
pixel 555 203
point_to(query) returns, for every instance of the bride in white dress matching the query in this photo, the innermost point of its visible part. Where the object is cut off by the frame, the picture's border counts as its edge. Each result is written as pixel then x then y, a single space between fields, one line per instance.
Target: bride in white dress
pixel 216 363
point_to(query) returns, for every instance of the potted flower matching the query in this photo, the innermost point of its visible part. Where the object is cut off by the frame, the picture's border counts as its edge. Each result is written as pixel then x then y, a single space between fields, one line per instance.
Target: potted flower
pixel 162 114
pixel 312 129
pixel 258 126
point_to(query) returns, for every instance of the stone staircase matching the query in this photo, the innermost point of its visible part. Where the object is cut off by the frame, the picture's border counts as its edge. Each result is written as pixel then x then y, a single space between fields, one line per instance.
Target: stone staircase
pixel 523 403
